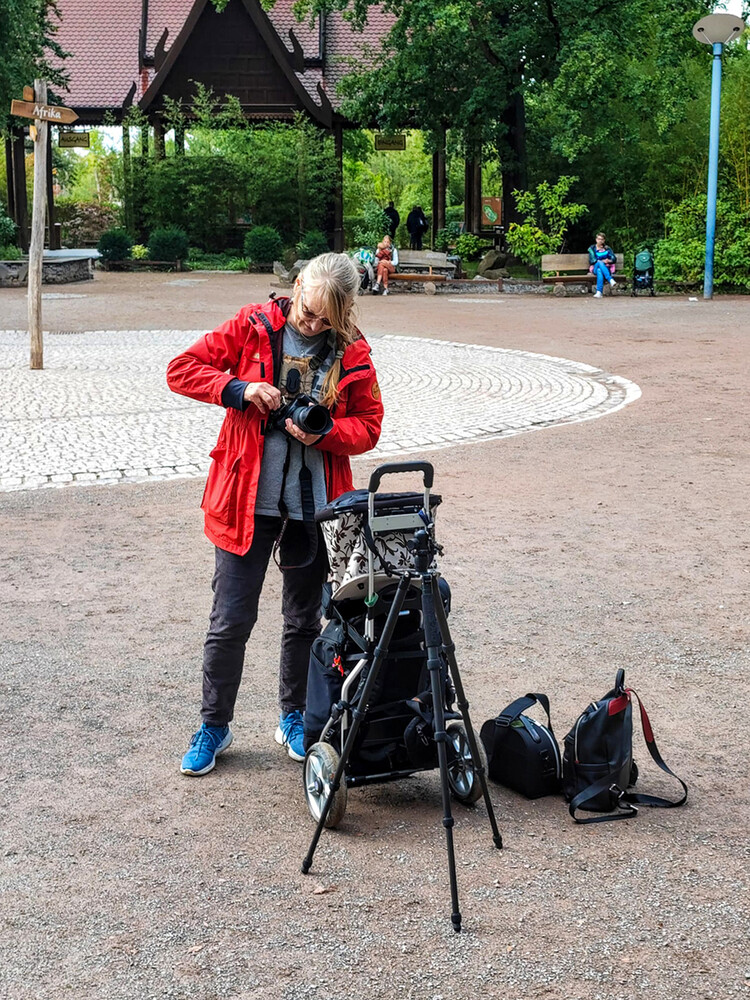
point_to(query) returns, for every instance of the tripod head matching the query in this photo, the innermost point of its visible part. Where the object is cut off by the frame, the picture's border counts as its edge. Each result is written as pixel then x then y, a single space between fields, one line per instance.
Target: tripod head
pixel 423 548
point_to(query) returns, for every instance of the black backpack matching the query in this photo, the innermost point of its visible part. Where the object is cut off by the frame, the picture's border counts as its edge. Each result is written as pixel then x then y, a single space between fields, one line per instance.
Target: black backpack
pixel 598 765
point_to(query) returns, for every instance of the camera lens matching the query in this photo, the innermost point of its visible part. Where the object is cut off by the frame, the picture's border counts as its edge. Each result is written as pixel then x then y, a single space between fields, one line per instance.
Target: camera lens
pixel 313 419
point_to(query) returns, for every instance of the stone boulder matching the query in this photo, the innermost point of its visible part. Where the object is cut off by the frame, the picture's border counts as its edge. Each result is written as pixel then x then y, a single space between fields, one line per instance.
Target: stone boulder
pixel 493 260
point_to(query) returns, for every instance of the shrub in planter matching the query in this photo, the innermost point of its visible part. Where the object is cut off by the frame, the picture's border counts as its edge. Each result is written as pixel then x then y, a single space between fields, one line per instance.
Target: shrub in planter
pixel 263 245
pixel 139 252
pixel 10 252
pixel 375 225
pixel 114 245
pixel 312 244
pixel 170 243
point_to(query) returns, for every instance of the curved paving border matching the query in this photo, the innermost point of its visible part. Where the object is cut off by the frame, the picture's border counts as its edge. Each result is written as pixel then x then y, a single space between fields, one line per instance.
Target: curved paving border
pixel 100 412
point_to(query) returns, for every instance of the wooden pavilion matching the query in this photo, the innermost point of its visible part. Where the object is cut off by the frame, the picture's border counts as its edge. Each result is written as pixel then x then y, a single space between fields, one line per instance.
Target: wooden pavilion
pixel 141 52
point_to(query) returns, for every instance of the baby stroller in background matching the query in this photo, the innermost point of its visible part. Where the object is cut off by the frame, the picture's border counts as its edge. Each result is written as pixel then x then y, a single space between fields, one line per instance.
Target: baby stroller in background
pixel 364 258
pixel 643 272
pixel 385 698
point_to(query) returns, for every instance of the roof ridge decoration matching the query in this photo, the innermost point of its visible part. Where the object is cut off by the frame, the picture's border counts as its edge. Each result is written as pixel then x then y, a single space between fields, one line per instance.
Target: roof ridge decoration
pixel 287 60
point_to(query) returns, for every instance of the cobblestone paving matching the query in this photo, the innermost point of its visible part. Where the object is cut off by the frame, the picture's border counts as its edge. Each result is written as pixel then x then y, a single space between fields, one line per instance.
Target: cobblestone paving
pixel 100 411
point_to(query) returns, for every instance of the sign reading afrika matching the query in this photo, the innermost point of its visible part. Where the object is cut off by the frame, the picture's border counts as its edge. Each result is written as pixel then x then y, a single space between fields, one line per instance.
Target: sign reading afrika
pixel 390 142
pixel 44 112
pixel 492 211
pixel 67 140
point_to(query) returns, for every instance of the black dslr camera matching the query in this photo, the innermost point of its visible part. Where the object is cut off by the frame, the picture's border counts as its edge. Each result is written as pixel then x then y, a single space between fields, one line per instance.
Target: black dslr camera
pixel 301 409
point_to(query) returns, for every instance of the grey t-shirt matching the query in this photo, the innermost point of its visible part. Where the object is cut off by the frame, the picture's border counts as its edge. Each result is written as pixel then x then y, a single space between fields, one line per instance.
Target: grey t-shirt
pixel 297 352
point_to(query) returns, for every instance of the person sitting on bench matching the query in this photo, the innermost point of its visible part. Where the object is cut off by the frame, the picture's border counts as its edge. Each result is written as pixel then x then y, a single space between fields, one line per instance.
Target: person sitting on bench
pixel 386 264
pixel 602 260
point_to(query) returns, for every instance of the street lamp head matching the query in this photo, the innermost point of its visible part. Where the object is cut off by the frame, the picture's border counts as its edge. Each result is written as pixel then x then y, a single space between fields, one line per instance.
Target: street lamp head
pixel 718 29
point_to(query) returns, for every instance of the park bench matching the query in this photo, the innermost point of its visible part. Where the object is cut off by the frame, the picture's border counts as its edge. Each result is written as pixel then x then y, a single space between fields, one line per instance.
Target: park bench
pixel 573 268
pixel 423 265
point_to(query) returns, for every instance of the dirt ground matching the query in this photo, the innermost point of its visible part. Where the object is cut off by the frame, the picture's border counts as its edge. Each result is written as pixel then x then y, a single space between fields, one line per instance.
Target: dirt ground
pixel 618 542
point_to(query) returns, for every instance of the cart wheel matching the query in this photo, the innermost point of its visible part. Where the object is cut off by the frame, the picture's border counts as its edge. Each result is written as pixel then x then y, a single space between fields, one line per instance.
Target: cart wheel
pixel 320 767
pixel 462 778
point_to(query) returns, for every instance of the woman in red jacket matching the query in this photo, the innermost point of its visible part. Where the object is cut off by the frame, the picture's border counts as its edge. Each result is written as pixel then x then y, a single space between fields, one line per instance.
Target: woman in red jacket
pixel 268 476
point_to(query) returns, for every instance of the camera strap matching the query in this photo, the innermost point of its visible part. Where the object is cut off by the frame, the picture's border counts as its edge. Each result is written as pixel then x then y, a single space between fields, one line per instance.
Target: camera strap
pixel 307 500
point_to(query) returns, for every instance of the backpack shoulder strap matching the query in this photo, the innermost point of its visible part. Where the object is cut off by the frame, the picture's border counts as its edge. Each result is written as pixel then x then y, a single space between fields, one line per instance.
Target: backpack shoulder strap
pixel 623 801
pixel 648 735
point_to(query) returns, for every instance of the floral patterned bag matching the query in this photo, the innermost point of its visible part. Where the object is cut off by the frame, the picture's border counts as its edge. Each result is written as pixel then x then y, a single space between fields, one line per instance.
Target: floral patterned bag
pixel 343 522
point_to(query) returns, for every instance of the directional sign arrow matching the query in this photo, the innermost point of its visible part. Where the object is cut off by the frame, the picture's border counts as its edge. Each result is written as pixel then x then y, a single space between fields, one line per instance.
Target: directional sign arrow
pixel 45 112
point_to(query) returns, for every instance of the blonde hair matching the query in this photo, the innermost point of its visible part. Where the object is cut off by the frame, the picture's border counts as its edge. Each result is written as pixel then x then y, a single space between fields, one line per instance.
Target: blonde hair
pixel 336 277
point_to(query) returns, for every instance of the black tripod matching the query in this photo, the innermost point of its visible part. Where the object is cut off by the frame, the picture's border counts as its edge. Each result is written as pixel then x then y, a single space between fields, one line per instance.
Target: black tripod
pixel 440 649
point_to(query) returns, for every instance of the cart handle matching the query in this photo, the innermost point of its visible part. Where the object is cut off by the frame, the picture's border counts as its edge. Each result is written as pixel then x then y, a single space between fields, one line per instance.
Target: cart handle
pixel 428 473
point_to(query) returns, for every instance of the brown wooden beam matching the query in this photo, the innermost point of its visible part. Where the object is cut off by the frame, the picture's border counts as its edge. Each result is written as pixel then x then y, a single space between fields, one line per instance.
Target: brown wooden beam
pixel 19 187
pixel 338 190
pixel 158 140
pixel 438 190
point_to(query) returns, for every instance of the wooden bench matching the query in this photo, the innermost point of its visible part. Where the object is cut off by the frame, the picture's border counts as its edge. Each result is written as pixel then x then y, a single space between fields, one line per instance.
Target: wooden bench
pixel 416 276
pixel 424 262
pixel 564 263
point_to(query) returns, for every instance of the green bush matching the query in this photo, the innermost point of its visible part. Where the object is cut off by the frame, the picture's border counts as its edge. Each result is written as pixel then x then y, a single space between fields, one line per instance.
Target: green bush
pixel 312 243
pixel 546 218
pixel 263 245
pixel 7 230
pixel 170 243
pixel 680 256
pixel 375 225
pixel 139 252
pixel 114 245
pixel 469 247
pixel 84 221
pixel 448 237
pixel 10 252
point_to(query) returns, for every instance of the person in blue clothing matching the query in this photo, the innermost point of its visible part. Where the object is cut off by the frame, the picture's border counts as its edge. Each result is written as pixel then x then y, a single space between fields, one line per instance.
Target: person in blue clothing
pixel 602 263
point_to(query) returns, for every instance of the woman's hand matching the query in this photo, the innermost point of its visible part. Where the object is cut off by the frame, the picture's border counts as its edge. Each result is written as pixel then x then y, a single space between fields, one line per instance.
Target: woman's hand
pixel 266 397
pixel 300 435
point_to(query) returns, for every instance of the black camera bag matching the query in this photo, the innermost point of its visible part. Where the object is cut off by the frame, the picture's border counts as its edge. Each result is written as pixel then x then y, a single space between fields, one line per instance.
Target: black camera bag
pixel 523 754
pixel 598 765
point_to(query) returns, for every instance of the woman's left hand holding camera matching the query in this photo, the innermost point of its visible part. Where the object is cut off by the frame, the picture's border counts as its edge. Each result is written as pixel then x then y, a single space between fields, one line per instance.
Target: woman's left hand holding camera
pixel 300 435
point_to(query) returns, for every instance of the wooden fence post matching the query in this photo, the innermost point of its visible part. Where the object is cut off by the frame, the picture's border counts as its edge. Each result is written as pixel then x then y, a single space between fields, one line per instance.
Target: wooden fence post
pixel 36 248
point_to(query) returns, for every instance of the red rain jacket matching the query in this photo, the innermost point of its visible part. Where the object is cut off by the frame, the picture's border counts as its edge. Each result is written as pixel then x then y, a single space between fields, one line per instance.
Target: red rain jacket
pixel 248 348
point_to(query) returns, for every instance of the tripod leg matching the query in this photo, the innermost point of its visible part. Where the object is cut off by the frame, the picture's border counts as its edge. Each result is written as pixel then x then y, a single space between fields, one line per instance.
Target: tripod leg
pixel 358 713
pixel 433 643
pixel 450 652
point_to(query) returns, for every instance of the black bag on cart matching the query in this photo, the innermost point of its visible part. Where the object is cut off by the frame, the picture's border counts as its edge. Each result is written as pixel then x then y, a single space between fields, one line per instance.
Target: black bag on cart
pixel 523 754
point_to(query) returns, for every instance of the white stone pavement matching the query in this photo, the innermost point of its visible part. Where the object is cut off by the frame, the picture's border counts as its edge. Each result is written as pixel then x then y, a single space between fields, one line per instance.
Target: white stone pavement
pixel 100 411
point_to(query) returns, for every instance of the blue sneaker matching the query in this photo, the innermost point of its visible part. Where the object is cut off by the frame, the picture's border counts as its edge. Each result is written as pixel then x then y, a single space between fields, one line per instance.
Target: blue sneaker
pixel 205 747
pixel 291 734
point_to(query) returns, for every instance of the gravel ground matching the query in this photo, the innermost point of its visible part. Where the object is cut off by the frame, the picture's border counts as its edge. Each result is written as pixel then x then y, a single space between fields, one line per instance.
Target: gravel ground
pixel 571 552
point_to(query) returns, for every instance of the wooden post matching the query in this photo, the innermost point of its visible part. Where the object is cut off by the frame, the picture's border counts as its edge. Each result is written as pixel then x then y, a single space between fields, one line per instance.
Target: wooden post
pixel 9 177
pixel 19 187
pixel 36 249
pixel 127 179
pixel 338 190
pixel 158 140
pixel 438 190
pixel 179 140
pixel 54 234
pixel 144 141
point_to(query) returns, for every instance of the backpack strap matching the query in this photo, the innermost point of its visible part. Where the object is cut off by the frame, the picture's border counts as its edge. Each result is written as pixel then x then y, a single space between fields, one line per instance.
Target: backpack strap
pixel 648 735
pixel 602 785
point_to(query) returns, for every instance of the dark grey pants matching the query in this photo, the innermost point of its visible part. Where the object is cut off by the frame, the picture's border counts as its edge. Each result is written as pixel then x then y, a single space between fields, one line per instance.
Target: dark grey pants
pixel 237 584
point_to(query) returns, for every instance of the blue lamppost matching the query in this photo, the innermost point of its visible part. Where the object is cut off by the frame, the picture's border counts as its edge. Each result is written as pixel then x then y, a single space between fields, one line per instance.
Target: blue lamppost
pixel 715 30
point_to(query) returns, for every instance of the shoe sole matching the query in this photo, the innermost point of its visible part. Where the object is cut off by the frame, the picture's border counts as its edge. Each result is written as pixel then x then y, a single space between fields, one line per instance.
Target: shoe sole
pixel 221 748
pixel 279 737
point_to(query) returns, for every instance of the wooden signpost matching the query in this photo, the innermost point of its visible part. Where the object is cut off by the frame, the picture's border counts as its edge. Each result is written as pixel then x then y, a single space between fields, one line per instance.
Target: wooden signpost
pixel 390 142
pixel 43 111
pixel 34 105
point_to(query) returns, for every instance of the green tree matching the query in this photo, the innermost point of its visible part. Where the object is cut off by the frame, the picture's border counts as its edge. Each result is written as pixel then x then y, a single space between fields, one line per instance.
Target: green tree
pixel 28 50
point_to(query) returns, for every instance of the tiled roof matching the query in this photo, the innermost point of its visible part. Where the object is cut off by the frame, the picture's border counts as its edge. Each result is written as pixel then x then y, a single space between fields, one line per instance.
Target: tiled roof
pixel 102 38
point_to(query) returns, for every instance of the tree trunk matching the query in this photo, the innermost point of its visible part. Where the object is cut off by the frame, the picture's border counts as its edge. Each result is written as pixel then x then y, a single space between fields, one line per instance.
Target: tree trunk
pixel 513 157
pixel 36 249
pixel 438 189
